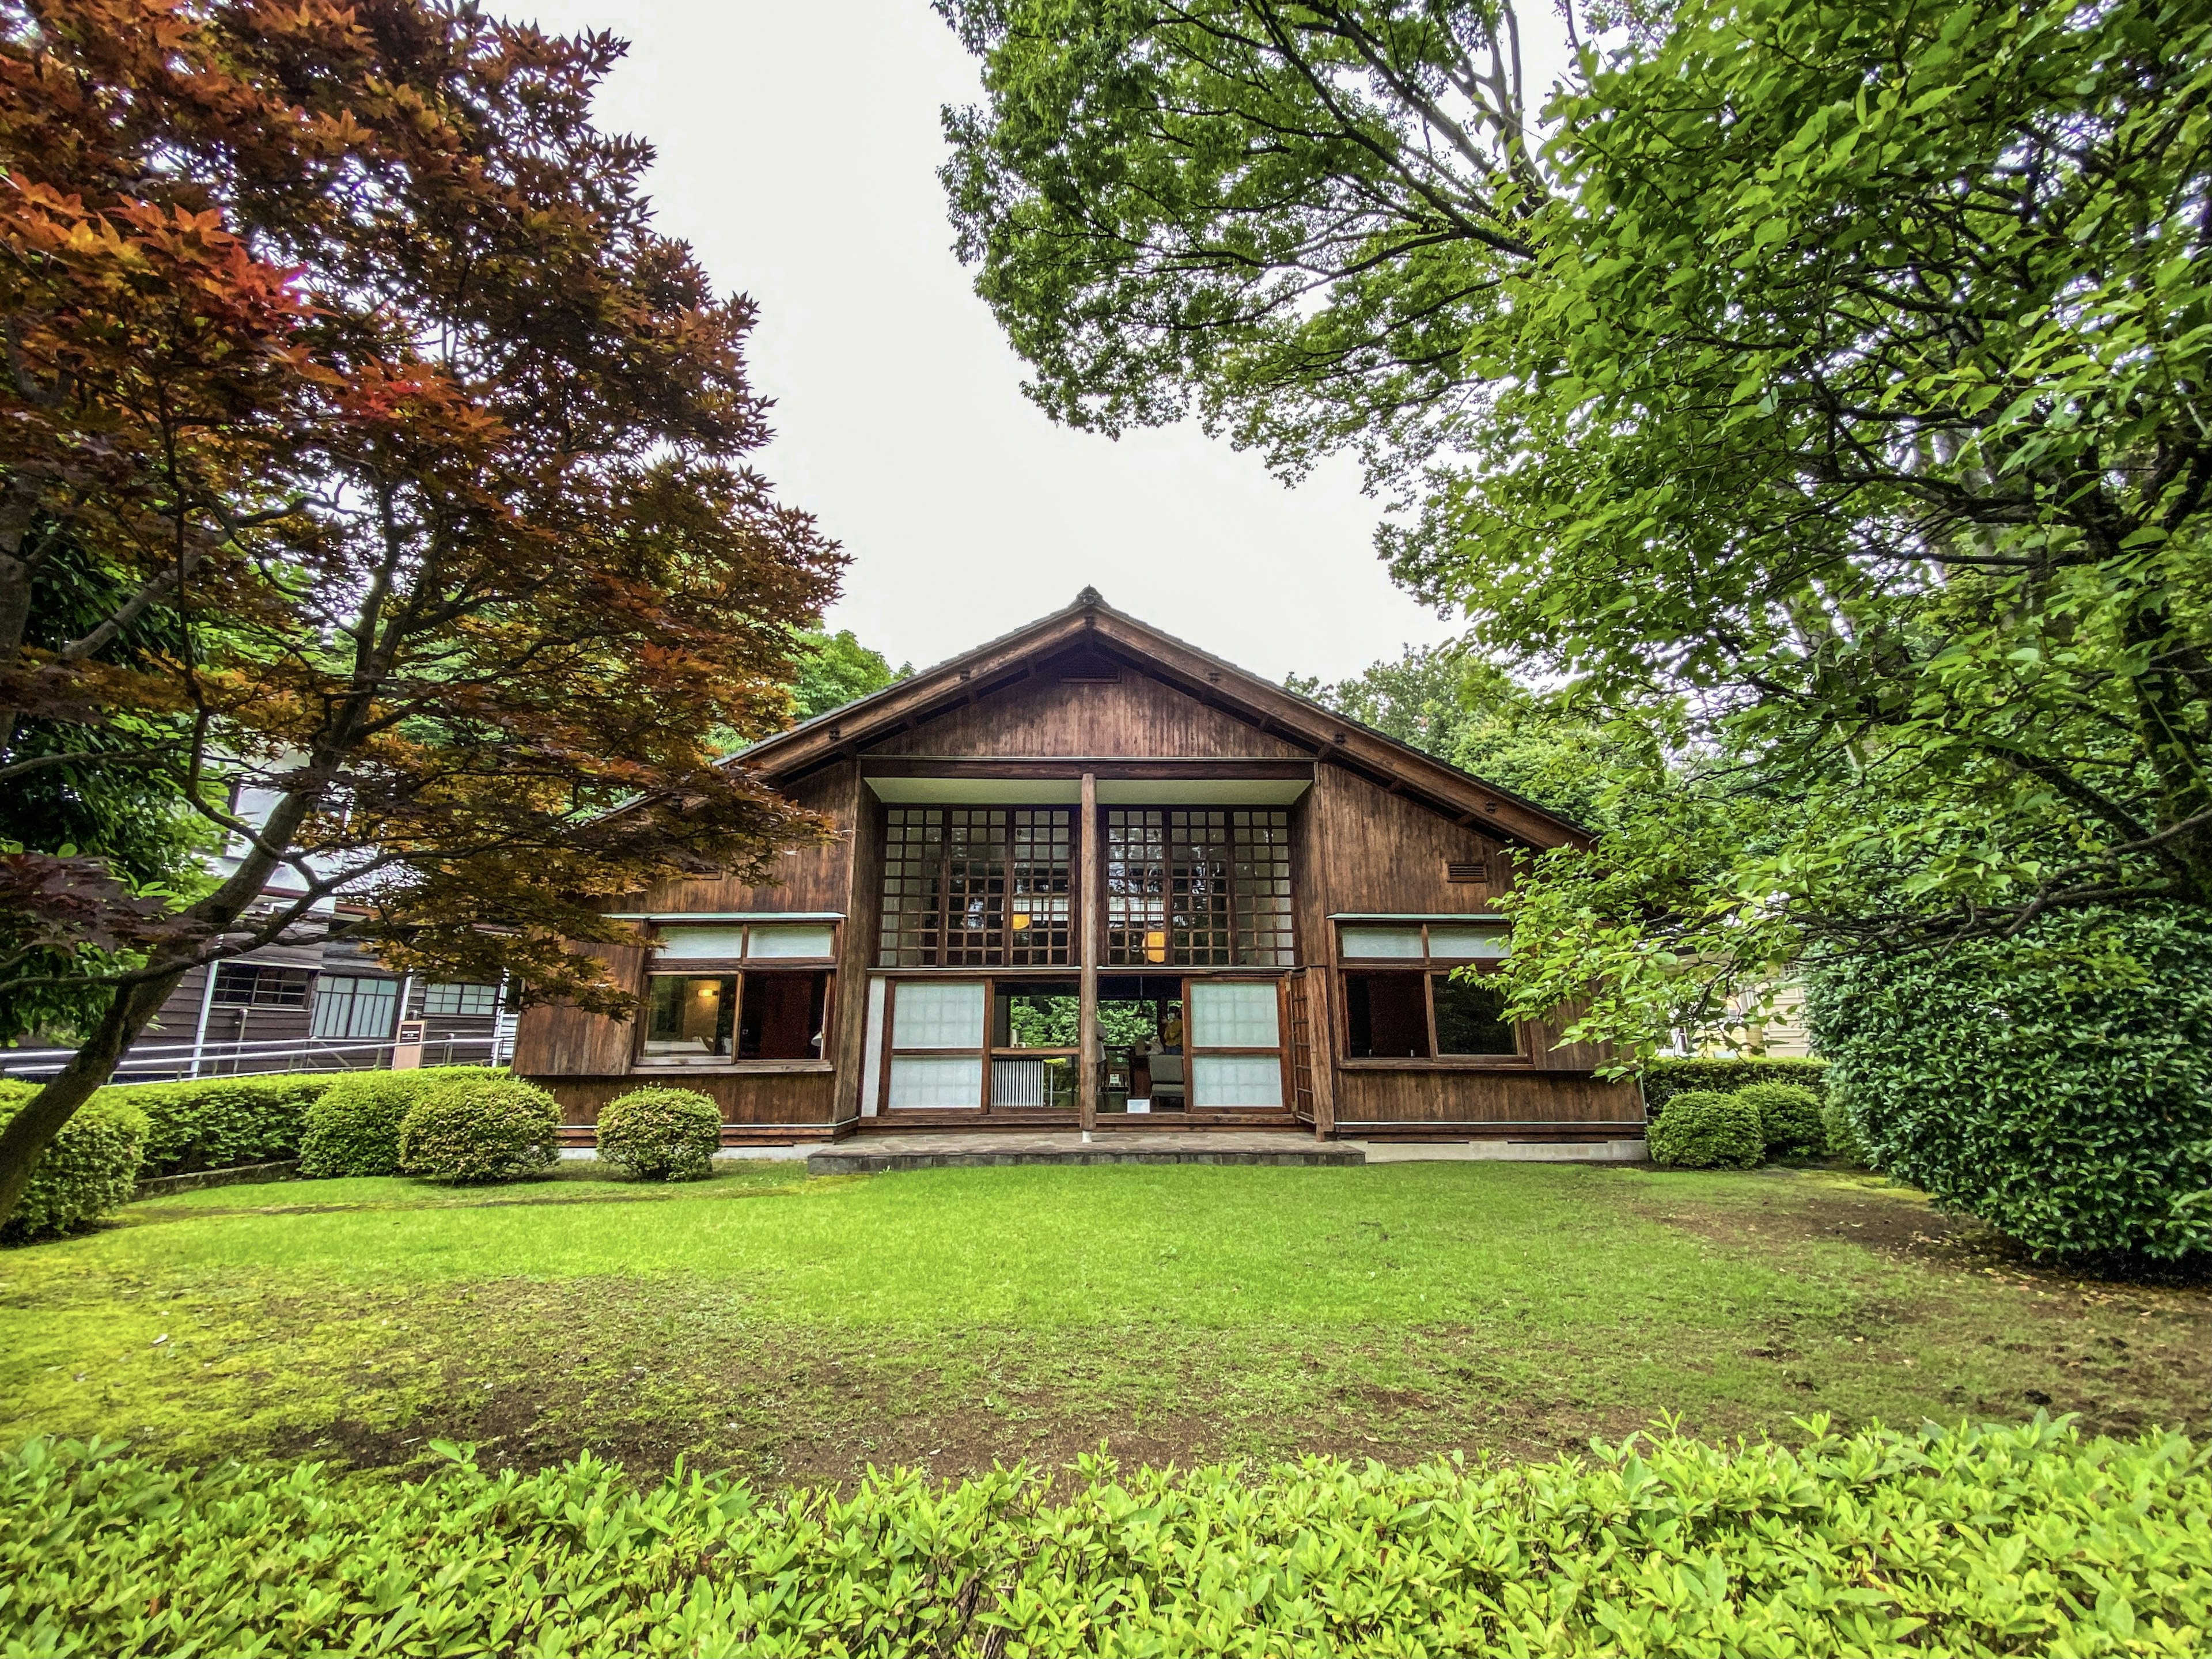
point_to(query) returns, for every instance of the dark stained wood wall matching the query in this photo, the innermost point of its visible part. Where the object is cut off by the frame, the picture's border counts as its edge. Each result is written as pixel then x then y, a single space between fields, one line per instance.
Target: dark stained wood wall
pixel 808 877
pixel 558 1039
pixel 1134 715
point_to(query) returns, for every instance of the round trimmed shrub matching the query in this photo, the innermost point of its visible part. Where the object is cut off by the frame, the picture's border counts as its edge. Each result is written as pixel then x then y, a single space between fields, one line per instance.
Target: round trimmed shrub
pixel 2058 1086
pixel 661 1134
pixel 477 1130
pixel 1790 1118
pixel 353 1128
pixel 1705 1129
pixel 88 1170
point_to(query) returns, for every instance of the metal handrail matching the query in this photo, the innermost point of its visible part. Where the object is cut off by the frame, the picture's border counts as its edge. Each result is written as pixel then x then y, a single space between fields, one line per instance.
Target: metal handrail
pixel 163 1062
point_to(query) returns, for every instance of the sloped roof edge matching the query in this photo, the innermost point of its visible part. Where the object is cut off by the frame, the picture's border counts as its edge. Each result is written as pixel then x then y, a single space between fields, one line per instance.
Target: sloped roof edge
pixel 851 725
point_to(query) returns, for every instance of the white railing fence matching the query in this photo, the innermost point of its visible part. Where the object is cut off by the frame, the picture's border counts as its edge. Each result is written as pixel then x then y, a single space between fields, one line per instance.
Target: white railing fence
pixel 165 1062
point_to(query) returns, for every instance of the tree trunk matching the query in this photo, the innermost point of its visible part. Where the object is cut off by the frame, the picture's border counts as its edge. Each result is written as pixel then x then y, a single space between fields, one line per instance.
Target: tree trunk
pixel 32 1130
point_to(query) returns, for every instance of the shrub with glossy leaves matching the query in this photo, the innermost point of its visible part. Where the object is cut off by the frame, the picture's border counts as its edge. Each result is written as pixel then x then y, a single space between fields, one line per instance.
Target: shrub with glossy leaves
pixel 353 1128
pixel 2058 1086
pixel 2017 1540
pixel 88 1170
pixel 1706 1129
pixel 661 1134
pixel 1789 1117
pixel 472 1130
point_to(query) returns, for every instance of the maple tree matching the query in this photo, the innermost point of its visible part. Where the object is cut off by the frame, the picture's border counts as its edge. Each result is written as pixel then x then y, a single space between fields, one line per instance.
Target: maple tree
pixel 338 337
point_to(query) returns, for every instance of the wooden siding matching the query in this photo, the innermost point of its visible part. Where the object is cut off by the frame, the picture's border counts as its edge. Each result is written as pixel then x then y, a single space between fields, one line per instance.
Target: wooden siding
pixel 557 1039
pixel 1383 853
pixel 808 877
pixel 1511 1100
pixel 1136 716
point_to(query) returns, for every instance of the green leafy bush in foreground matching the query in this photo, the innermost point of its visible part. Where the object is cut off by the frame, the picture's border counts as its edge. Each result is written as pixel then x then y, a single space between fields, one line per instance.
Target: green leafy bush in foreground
pixel 217 1122
pixel 1705 1129
pixel 1789 1116
pixel 480 1128
pixel 661 1134
pixel 88 1170
pixel 353 1128
pixel 2056 1085
pixel 2025 1539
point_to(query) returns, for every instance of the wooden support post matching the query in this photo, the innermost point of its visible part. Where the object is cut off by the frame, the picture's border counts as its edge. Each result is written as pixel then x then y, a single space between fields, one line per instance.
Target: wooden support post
pixel 1086 1038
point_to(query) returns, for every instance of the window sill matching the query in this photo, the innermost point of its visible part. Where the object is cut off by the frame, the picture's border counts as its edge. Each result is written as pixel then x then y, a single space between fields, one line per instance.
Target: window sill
pixel 726 1067
pixel 1450 1063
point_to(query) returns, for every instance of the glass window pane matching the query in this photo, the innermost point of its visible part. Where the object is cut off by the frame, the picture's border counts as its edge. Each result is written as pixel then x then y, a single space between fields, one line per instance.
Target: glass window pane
pixel 935 1080
pixel 1478 944
pixel 930 1014
pixel 1233 1014
pixel 782 1016
pixel 1470 1018
pixel 688 1014
pixel 682 942
pixel 782 940
pixel 1218 1080
pixel 1396 944
pixel 458 1000
pixel 1387 1016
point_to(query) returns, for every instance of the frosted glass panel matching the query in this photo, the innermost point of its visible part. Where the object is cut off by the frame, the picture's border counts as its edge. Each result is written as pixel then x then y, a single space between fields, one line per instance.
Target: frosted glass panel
pixel 929 1080
pixel 1400 943
pixel 1235 1081
pixel 1480 944
pixel 785 941
pixel 680 942
pixel 1233 1014
pixel 925 1014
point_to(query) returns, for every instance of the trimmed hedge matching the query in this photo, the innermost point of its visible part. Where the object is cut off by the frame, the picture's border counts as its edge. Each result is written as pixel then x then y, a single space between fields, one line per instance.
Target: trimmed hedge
pixel 1706 1129
pixel 353 1128
pixel 480 1129
pixel 1667 1076
pixel 88 1170
pixel 1789 1116
pixel 661 1134
pixel 217 1122
pixel 2021 1539
pixel 2058 1086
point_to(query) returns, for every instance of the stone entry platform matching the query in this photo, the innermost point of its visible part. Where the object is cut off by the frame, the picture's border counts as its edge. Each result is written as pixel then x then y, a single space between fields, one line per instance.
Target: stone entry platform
pixel 868 1154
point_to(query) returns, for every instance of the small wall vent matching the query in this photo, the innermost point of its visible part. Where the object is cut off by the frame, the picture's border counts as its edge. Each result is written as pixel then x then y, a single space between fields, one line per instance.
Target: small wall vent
pixel 1468 870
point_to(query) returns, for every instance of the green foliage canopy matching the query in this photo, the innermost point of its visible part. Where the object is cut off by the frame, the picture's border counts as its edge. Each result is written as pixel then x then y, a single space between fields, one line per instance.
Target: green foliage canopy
pixel 1823 399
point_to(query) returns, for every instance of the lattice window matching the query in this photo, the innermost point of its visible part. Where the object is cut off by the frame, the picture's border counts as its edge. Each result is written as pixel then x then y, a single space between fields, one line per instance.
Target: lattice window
pixel 1136 885
pixel 976 887
pixel 914 887
pixel 1199 887
pixel 1039 899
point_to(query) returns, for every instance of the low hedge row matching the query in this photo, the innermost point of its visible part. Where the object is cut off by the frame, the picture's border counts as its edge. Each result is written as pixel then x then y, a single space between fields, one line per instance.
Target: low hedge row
pixel 353 1128
pixel 1666 1077
pixel 87 1168
pixel 2026 1540
pixel 216 1122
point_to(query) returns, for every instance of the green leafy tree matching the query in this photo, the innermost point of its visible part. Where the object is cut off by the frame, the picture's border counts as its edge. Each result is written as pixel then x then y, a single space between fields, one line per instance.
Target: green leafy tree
pixel 834 669
pixel 1823 396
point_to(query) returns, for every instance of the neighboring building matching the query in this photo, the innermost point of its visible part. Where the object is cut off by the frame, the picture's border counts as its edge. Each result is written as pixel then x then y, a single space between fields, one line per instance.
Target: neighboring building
pixel 1257 905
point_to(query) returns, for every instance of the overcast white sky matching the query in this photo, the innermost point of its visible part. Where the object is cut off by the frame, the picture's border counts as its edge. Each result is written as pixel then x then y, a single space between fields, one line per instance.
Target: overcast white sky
pixel 798 145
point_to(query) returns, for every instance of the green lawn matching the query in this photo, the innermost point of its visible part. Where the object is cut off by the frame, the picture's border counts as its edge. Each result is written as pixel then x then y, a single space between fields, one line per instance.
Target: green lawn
pixel 797 1328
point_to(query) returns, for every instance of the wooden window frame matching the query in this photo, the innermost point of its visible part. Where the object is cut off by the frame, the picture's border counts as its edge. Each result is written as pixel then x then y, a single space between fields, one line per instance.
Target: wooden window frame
pixel 735 967
pixel 1238 918
pixel 1008 863
pixel 1281 978
pixel 1430 967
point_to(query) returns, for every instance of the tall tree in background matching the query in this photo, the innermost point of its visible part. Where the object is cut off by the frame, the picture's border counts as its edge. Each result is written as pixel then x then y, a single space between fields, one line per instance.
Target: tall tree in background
pixel 834 669
pixel 339 335
pixel 1824 397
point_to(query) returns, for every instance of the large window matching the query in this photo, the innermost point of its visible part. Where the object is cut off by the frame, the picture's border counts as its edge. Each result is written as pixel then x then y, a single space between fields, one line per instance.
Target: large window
pixel 756 1015
pixel 356 1006
pixel 976 887
pixel 251 985
pixel 1198 887
pixel 453 999
pixel 1424 997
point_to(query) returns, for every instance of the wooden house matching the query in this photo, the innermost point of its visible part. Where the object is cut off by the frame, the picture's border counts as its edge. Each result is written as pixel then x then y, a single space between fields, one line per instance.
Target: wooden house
pixel 1088 875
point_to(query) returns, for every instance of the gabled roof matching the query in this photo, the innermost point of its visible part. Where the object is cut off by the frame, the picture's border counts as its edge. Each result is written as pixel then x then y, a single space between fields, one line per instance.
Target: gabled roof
pixel 1091 624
